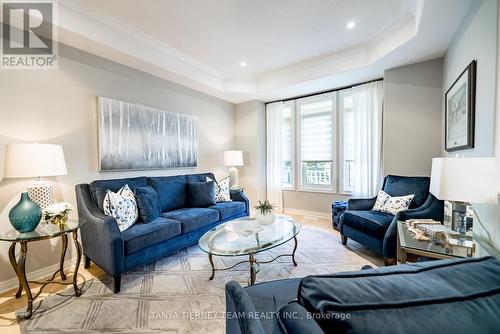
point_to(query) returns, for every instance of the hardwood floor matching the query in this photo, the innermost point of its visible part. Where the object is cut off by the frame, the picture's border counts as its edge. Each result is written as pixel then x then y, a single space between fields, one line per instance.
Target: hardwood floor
pixel 9 304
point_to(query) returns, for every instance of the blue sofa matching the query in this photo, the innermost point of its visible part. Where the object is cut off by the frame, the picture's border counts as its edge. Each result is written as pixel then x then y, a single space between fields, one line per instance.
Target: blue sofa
pixel 378 230
pixel 446 296
pixel 177 227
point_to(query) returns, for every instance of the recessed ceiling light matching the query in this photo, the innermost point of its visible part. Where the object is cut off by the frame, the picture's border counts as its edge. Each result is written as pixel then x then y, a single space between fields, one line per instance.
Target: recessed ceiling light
pixel 243 64
pixel 351 25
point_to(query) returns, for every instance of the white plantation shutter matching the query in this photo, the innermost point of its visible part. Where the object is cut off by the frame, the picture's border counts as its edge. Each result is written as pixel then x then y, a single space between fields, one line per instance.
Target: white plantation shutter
pixel 316 128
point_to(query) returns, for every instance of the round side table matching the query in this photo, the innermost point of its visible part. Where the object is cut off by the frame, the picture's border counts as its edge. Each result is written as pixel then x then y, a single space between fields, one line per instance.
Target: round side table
pixel 44 231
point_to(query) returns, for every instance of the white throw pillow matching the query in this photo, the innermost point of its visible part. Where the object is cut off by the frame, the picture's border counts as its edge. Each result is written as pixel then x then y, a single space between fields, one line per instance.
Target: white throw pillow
pixel 122 206
pixel 222 193
pixel 392 205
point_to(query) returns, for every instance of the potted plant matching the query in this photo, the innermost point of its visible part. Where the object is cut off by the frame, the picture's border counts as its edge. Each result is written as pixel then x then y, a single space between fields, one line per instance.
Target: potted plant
pixel 57 213
pixel 264 215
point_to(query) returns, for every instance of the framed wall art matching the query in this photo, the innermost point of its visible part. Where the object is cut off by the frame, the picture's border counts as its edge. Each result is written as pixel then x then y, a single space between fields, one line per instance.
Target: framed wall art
pixel 460 102
pixel 136 137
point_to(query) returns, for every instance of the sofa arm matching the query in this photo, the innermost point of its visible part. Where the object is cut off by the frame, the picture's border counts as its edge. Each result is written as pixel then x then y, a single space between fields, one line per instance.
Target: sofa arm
pixel 361 204
pixel 102 240
pixel 431 209
pixel 239 196
pixel 241 314
pixel 295 319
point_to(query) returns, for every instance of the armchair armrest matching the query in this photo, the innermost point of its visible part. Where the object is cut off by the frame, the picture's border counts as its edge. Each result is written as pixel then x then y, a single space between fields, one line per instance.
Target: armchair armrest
pixel 431 209
pixel 240 311
pixel 295 319
pixel 239 196
pixel 102 240
pixel 361 203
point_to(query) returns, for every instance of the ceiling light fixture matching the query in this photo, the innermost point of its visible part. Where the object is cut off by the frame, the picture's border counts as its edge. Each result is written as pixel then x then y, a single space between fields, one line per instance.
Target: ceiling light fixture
pixel 351 25
pixel 243 64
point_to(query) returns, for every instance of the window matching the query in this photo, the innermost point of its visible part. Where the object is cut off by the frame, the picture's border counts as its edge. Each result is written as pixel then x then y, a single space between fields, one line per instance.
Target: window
pixel 317 142
pixel 287 147
pixel 347 163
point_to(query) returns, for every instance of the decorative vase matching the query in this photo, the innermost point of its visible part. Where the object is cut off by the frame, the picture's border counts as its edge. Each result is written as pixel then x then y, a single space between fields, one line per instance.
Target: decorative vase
pixel 60 221
pixel 265 219
pixel 25 215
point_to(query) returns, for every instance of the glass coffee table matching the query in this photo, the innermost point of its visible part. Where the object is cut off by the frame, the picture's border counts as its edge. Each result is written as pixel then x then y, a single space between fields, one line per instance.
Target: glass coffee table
pixel 456 247
pixel 245 237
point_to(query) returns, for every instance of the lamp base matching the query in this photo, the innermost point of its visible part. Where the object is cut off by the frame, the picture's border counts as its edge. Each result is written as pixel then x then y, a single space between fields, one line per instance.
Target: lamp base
pixel 42 193
pixel 456 217
pixel 233 177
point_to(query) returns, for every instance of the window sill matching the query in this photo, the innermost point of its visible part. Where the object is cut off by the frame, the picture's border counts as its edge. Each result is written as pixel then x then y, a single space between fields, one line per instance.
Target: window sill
pixel 317 190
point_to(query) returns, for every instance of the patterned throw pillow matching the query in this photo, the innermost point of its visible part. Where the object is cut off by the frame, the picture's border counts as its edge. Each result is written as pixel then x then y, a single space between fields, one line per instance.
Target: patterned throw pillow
pixel 121 206
pixel 222 193
pixel 392 205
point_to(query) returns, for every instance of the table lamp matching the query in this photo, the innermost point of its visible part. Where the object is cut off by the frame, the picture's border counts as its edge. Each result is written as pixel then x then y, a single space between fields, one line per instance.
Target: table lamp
pixel 233 159
pixel 461 181
pixel 36 161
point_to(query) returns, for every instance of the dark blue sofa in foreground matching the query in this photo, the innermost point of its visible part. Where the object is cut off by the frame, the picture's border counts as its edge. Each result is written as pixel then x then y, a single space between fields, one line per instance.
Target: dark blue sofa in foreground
pixel 177 227
pixel 378 230
pixel 446 296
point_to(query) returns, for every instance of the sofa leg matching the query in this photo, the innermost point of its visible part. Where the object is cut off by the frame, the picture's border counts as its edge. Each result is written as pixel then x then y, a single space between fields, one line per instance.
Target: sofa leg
pixel 87 262
pixel 344 239
pixel 389 261
pixel 117 282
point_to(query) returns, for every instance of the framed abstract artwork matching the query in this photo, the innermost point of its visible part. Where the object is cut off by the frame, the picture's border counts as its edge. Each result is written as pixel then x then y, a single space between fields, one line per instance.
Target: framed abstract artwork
pixel 137 137
pixel 460 102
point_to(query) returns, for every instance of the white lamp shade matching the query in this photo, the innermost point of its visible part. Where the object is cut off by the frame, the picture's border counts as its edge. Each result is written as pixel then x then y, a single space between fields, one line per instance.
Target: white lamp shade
pixel 233 158
pixel 34 160
pixel 470 180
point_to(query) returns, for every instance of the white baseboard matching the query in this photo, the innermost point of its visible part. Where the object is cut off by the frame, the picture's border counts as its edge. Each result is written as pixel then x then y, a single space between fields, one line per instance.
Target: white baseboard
pixel 69 265
pixel 315 214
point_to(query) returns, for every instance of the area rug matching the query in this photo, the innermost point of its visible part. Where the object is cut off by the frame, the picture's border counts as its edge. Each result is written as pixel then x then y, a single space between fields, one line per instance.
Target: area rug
pixel 174 295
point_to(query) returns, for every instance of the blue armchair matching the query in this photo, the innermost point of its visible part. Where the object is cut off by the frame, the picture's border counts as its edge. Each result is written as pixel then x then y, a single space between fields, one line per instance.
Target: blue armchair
pixel 378 230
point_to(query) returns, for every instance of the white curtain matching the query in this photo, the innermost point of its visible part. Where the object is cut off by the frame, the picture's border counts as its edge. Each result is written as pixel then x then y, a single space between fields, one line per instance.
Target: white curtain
pixel 273 136
pixel 367 107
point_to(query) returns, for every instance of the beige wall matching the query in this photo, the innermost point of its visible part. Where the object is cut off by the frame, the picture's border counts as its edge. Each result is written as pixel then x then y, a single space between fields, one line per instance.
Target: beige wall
pixel 250 137
pixel 412 118
pixel 476 39
pixel 59 106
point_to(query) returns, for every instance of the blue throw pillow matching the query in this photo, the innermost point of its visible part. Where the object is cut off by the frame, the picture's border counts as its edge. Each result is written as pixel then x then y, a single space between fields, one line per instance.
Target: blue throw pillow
pixel 148 203
pixel 201 194
pixel 171 191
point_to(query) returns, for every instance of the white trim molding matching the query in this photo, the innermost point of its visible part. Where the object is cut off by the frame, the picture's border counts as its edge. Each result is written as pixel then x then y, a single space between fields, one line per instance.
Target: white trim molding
pixel 12 283
pixel 307 213
pixel 88 28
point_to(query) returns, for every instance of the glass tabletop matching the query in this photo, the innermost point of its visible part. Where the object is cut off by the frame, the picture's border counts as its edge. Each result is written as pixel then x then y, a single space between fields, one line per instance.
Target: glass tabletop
pixel 246 236
pixel 44 230
pixel 456 245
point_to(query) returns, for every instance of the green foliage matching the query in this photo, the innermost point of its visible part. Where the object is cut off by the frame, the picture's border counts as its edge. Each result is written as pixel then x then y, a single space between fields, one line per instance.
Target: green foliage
pixel 264 207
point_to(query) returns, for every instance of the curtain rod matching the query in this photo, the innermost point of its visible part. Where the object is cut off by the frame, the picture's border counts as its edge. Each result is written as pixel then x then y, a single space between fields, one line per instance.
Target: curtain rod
pixel 325 91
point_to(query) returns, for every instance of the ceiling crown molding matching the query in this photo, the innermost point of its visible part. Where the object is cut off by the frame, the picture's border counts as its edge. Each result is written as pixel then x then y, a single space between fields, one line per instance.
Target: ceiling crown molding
pixel 84 27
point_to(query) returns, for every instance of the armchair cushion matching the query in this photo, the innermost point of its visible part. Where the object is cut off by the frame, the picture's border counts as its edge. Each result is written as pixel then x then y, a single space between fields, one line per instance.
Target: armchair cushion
pixel 171 191
pixel 374 223
pixel 192 218
pixel 407 185
pixel 392 204
pixel 229 209
pixel 441 290
pixel 141 235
